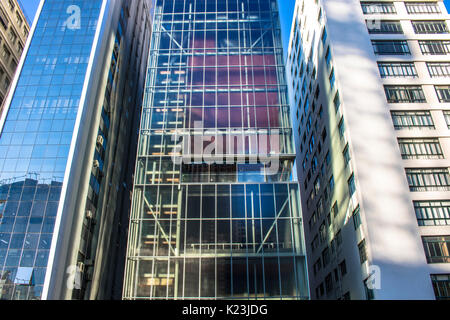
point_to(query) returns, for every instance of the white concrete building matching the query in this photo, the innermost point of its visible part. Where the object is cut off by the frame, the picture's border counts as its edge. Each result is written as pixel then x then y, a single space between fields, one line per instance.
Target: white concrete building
pixel 370 84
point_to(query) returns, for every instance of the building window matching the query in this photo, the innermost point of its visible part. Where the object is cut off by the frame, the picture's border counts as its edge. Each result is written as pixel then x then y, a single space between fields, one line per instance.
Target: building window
pixel 435 179
pixel 405 94
pixel 328 57
pixel 434 47
pixel 346 154
pixel 343 268
pixel 6 54
pixel 6 83
pixel 337 101
pixel 342 129
pixel 332 80
pixel 443 93
pixel 11 5
pixel 422 7
pixel 329 283
pixel 378 7
pixel 429 27
pixel 328 159
pixel 323 233
pixel 18 19
pixel 317 266
pixel 324 33
pixel 437 249
pixel 391 47
pixel 362 251
pixel 432 213
pixel 384 27
pixel 439 69
pixel 412 120
pixel 12 36
pixel 351 185
pixel 356 218
pixel 447 118
pixel 321 289
pixel 420 148
pixel 397 69
pixel 370 295
pixel 3 19
pixel 335 209
pixel 331 185
pixel 441 286
pixel 326 256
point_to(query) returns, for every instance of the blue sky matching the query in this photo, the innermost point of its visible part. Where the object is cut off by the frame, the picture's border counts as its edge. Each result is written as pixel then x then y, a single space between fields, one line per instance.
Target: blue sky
pixel 286 11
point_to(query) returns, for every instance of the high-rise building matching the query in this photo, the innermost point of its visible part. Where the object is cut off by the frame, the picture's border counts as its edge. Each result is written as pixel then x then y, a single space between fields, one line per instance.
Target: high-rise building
pixel 14 30
pixel 215 211
pixel 68 136
pixel 370 88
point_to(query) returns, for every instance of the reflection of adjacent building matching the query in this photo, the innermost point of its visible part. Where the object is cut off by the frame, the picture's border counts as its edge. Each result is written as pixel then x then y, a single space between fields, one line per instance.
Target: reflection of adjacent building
pixel 14 31
pixel 27 219
pixel 201 226
pixel 72 115
pixel 370 86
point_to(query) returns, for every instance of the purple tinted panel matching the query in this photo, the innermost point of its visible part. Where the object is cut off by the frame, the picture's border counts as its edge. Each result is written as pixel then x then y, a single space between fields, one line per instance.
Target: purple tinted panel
pixel 222 99
pixel 258 60
pixel 210 61
pixel 260 99
pixel 269 60
pixel 271 76
pixel 197 99
pixel 249 117
pixel 259 75
pixel 222 76
pixel 261 117
pixel 274 117
pixel 210 118
pixel 196 115
pixel 273 98
pixel 199 39
pixel 222 60
pixel 222 118
pixel 197 79
pixel 234 60
pixel 210 99
pixel 235 99
pixel 235 76
pixel 196 61
pixel 210 77
pixel 250 97
pixel 236 117
pixel 247 77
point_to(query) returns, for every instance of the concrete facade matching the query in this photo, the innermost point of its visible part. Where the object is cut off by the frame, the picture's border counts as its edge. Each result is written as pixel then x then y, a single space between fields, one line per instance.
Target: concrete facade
pixel 350 162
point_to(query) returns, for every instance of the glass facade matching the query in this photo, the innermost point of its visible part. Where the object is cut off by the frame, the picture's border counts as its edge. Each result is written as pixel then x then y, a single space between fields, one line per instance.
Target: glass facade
pixel 215 211
pixel 36 138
